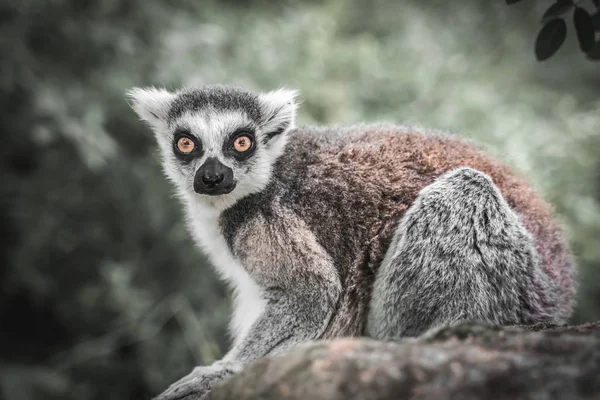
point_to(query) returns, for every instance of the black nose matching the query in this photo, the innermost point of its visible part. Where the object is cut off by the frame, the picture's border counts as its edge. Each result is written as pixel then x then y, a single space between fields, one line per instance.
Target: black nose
pixel 213 178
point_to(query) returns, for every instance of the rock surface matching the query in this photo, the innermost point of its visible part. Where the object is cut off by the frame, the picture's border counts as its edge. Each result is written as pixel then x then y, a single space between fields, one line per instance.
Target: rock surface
pixel 460 362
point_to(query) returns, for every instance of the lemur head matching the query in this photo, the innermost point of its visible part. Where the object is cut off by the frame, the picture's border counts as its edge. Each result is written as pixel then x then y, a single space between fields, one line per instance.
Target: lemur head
pixel 218 144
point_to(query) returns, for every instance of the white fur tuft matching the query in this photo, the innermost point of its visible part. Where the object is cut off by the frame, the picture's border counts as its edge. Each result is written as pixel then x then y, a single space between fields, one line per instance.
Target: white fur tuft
pixel 151 105
pixel 279 108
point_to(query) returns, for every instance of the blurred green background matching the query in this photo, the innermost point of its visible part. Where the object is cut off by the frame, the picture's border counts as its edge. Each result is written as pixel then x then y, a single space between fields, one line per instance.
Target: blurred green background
pixel 102 294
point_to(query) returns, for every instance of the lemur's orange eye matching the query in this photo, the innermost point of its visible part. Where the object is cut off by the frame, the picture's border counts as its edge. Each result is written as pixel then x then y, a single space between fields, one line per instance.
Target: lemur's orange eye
pixel 242 144
pixel 185 145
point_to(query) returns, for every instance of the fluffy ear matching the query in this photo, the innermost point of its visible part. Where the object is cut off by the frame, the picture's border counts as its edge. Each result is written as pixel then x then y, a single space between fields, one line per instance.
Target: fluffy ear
pixel 151 104
pixel 279 111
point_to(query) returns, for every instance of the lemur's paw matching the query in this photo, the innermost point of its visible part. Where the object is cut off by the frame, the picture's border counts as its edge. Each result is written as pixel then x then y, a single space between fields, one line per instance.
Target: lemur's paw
pixel 198 383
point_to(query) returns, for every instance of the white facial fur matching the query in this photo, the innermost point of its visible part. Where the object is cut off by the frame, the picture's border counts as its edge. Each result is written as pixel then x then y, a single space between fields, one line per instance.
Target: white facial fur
pixel 212 127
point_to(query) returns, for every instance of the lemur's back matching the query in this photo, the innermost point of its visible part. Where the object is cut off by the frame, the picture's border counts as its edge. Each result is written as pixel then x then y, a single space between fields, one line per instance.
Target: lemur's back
pixel 352 186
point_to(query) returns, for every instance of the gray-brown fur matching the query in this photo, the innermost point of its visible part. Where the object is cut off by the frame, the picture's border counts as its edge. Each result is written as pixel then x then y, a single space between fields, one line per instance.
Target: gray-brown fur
pixel 460 254
pixel 351 187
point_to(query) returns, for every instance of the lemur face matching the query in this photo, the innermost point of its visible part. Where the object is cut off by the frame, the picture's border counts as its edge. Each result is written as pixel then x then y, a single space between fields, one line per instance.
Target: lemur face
pixel 217 143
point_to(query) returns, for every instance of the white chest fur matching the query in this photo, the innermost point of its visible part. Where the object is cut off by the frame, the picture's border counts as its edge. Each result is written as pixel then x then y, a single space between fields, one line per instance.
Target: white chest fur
pixel 248 303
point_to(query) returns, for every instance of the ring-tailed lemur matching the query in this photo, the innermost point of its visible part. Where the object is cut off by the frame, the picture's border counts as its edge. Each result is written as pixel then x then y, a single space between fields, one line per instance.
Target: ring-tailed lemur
pixel 375 230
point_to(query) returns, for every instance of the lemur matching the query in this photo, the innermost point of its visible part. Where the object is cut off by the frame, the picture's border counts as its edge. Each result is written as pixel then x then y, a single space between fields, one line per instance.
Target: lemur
pixel 380 230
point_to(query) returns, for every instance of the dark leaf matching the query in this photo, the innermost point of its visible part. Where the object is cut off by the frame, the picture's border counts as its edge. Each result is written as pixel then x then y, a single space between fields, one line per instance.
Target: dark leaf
pixel 596 3
pixel 596 20
pixel 584 27
pixel 509 2
pixel 550 38
pixel 594 53
pixel 556 10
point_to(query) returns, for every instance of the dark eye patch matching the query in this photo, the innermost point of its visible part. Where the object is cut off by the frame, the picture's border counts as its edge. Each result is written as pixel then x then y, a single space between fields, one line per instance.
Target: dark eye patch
pixel 229 150
pixel 198 150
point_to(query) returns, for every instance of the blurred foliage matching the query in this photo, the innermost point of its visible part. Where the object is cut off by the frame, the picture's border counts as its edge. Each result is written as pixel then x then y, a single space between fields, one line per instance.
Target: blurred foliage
pixel 554 31
pixel 101 291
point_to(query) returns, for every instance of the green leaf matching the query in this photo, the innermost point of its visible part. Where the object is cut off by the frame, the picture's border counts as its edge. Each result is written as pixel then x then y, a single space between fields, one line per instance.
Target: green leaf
pixel 556 10
pixel 594 52
pixel 509 2
pixel 584 27
pixel 550 38
pixel 596 21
